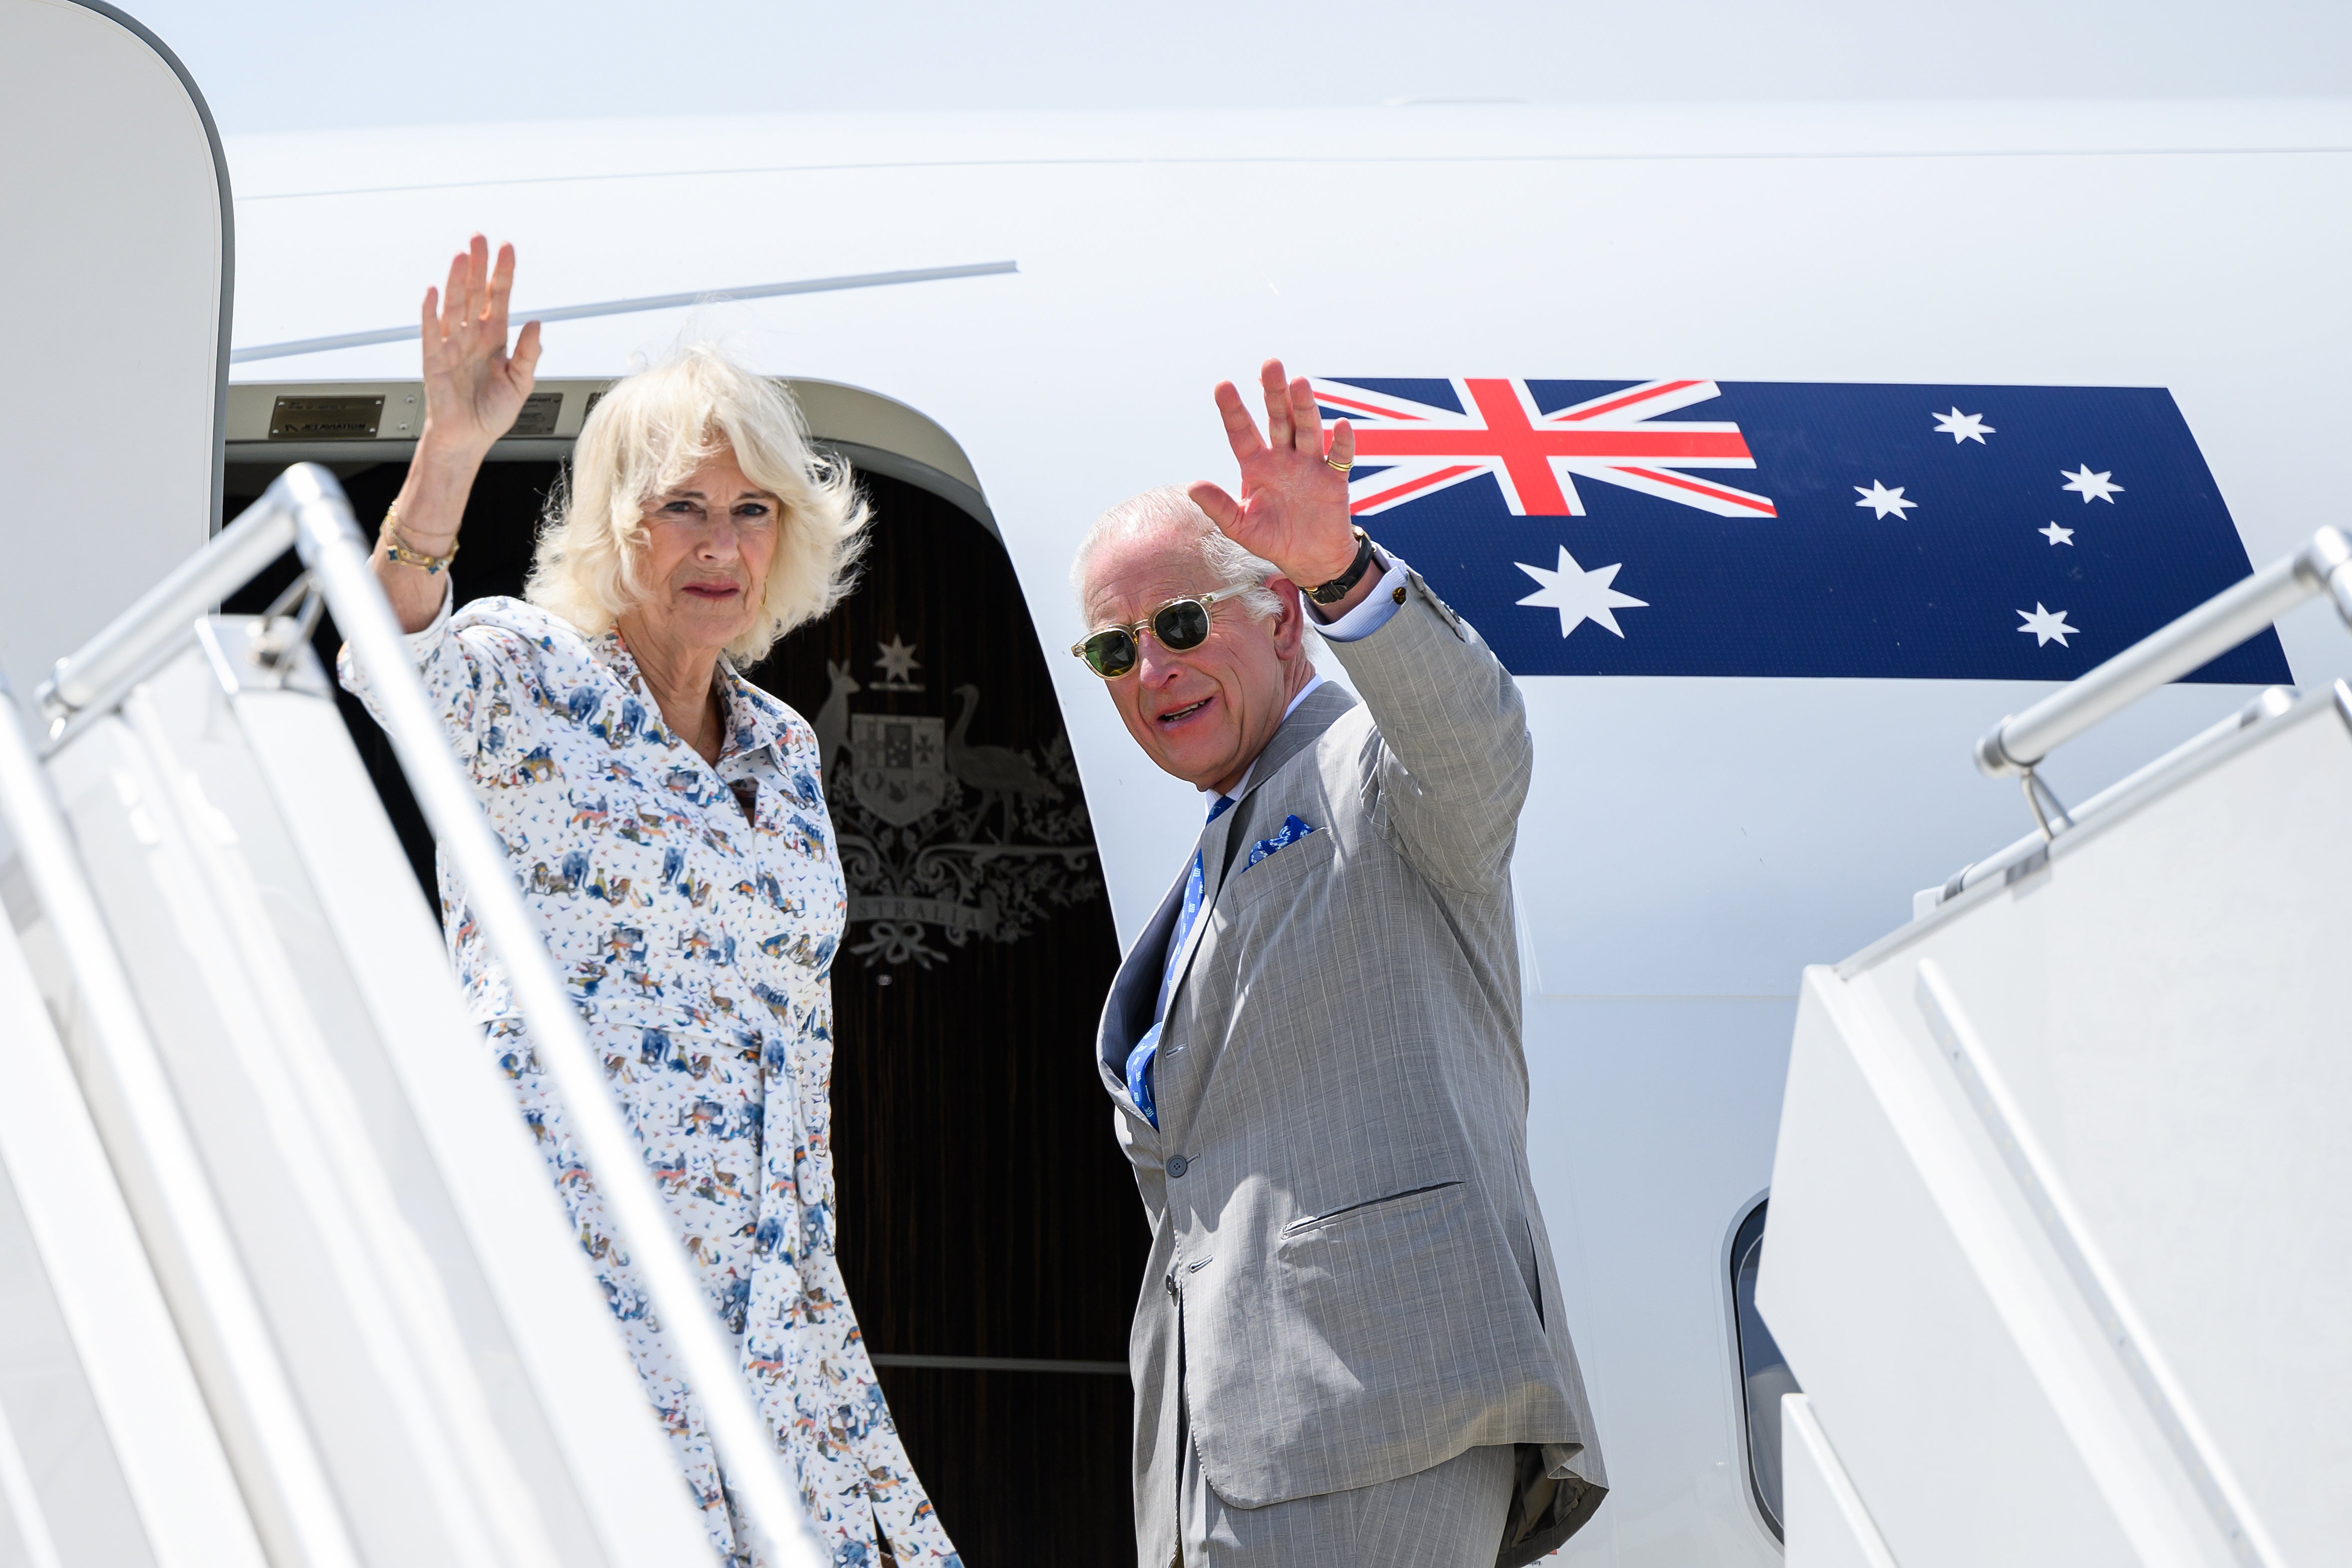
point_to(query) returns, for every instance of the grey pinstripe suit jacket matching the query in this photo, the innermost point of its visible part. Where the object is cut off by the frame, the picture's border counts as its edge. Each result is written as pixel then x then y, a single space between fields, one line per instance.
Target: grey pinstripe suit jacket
pixel 1349 1272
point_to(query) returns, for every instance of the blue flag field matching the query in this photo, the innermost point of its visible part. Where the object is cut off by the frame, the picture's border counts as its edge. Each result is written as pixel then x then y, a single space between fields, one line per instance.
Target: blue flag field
pixel 1688 528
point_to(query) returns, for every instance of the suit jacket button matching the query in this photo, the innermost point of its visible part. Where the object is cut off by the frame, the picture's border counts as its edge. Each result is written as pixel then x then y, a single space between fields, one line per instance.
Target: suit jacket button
pixel 1179 1166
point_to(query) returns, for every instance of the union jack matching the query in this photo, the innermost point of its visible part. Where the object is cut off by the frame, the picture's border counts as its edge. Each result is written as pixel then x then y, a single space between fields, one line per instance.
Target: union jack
pixel 1422 448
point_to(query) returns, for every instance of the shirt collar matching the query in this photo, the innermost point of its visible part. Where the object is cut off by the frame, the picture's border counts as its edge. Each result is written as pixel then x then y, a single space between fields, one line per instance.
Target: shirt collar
pixel 1209 797
pixel 754 719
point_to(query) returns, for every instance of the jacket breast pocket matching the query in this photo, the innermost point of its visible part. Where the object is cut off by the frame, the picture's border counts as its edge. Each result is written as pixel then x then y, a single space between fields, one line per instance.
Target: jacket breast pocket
pixel 1283 871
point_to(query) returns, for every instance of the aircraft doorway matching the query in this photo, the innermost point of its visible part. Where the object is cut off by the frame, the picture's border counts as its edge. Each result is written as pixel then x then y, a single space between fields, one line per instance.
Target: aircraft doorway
pixel 988 1226
pixel 989 1230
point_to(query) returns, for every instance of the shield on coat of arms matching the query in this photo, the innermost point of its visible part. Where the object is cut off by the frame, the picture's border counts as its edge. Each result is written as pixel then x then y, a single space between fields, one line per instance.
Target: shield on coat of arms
pixel 899 766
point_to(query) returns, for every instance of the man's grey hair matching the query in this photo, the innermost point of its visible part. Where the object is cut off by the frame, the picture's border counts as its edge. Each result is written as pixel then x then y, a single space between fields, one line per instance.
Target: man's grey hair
pixel 1227 570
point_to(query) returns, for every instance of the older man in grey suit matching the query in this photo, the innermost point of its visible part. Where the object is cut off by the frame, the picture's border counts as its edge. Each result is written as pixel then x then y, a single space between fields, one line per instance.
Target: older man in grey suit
pixel 1348 1347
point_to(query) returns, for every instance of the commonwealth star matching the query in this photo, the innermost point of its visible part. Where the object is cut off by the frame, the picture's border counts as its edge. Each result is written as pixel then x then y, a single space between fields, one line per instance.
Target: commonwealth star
pixel 1579 595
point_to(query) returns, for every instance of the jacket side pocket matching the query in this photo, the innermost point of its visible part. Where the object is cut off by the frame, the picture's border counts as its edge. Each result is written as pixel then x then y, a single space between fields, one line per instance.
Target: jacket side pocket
pixel 1363 1209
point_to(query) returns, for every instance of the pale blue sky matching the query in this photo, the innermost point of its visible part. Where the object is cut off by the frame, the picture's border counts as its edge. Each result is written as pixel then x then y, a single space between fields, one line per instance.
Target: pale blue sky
pixel 278 65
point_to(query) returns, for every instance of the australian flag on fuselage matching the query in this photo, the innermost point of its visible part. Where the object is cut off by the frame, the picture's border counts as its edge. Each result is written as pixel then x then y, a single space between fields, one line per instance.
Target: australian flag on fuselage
pixel 1793 528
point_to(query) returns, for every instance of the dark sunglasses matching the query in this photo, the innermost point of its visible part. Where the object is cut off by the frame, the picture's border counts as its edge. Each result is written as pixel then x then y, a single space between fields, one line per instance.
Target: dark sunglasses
pixel 1180 624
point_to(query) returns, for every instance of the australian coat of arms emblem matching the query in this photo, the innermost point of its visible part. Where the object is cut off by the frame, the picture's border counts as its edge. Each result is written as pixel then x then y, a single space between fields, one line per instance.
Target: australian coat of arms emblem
pixel 942 840
pixel 899 766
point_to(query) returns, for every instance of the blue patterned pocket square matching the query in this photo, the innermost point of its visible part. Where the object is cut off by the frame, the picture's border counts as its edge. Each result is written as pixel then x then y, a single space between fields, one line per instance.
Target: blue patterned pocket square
pixel 1293 830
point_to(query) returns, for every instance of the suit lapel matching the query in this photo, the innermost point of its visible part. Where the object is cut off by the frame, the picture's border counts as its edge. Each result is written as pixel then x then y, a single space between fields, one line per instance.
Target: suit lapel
pixel 1299 731
pixel 1211 850
pixel 1136 987
pixel 1302 729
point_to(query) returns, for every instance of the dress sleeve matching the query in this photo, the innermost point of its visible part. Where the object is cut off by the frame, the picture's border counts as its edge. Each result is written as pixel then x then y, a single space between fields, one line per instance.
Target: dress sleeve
pixel 465 679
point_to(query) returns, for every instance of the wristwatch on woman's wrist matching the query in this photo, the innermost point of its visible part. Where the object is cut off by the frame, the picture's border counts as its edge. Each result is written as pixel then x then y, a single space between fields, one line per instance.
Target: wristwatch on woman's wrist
pixel 1336 589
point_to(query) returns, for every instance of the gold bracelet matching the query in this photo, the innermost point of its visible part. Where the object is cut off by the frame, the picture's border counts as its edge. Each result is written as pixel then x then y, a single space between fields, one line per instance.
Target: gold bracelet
pixel 398 549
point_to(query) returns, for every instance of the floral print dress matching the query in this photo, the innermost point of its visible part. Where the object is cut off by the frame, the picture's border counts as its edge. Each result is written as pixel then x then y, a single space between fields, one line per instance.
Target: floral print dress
pixel 694 911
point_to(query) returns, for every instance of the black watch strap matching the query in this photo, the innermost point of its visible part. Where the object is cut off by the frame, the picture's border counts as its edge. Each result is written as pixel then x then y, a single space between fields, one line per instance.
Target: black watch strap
pixel 1336 589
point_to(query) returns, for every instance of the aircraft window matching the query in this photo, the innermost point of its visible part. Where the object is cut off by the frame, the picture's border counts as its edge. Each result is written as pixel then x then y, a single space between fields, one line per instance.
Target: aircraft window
pixel 1764 1374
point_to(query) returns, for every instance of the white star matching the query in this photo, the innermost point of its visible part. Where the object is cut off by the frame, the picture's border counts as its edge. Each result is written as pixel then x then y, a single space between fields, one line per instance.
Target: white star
pixel 1963 427
pixel 1579 595
pixel 896 661
pixel 2091 487
pixel 2056 536
pixel 2048 626
pixel 1882 500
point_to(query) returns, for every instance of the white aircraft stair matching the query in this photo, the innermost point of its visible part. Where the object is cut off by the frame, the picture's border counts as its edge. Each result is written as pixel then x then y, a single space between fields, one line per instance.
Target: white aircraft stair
pixel 285 1279
pixel 2061 1209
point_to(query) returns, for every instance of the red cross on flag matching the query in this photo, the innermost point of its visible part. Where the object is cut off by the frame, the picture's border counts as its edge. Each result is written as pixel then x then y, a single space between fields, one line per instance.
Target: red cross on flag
pixel 1419 448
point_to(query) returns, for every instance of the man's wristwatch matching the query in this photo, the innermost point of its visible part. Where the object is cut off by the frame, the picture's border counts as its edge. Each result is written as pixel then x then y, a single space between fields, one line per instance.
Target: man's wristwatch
pixel 1336 589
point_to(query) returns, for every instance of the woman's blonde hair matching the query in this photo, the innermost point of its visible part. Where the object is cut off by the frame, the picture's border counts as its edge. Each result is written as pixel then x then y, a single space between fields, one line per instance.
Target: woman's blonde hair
pixel 645 434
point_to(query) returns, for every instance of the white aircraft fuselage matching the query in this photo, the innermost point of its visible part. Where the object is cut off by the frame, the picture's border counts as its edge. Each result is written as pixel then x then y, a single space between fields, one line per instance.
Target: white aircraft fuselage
pixel 1690 841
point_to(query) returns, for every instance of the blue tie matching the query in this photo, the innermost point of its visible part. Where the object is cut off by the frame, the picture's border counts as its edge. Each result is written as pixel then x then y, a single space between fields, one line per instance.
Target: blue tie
pixel 1138 1060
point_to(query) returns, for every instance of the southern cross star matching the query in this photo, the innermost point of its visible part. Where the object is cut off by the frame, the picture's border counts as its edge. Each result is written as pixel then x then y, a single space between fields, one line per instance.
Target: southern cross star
pixel 1882 500
pixel 1579 595
pixel 2089 486
pixel 1963 427
pixel 2056 536
pixel 2048 626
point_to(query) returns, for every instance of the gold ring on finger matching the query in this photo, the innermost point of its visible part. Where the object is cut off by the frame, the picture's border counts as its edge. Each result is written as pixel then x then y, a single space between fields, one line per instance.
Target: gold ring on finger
pixel 1334 464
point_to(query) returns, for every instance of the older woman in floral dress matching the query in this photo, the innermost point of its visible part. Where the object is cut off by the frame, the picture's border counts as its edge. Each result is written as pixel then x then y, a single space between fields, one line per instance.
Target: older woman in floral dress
pixel 664 817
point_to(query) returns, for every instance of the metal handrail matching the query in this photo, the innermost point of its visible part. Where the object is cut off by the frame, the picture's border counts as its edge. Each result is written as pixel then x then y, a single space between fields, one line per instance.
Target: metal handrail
pixel 305 506
pixel 2019 741
pixel 154 1157
pixel 165 618
pixel 2016 858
